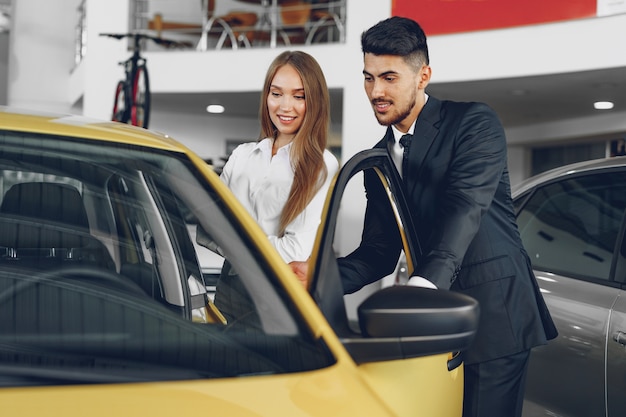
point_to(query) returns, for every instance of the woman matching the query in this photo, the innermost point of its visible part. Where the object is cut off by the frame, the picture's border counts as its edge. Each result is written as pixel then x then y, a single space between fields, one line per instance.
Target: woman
pixel 282 179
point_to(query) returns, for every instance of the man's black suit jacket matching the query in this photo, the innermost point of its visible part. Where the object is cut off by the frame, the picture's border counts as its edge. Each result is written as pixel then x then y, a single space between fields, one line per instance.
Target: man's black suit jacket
pixel 458 190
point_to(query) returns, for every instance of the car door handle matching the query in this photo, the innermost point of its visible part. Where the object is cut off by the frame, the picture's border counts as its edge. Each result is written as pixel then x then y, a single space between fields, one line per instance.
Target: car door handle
pixel 620 337
pixel 455 360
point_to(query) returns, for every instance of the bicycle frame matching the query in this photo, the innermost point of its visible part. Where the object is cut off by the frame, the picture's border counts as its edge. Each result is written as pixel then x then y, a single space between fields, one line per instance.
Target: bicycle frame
pixel 137 97
pixel 132 95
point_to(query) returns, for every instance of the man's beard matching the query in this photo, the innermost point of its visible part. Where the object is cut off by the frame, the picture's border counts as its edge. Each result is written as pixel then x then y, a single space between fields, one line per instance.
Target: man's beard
pixel 403 114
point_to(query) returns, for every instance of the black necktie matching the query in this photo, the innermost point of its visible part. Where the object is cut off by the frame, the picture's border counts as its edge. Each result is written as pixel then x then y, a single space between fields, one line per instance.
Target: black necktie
pixel 405 141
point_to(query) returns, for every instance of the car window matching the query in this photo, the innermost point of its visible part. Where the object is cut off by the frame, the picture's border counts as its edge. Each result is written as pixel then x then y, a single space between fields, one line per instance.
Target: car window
pixel 103 252
pixel 570 227
pixel 375 166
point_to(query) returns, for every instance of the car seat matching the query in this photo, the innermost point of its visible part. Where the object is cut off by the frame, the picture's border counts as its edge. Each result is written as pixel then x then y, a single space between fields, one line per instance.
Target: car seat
pixel 44 224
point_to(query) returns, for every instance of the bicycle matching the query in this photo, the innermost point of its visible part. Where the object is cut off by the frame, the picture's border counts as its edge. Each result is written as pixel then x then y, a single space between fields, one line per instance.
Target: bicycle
pixel 132 94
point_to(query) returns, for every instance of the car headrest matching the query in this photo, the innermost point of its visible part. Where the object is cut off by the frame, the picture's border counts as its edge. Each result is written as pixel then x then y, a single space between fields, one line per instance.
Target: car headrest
pixel 46 201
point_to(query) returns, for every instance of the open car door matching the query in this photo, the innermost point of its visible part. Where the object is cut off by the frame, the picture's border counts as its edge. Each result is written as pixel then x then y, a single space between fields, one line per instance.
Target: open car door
pixel 407 341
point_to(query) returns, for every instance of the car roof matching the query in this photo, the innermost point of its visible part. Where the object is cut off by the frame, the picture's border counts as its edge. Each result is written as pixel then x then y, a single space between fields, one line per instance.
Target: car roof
pixel 566 170
pixel 21 120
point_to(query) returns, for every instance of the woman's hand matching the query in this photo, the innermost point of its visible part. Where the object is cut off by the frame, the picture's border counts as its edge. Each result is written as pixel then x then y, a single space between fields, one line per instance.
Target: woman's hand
pixel 301 269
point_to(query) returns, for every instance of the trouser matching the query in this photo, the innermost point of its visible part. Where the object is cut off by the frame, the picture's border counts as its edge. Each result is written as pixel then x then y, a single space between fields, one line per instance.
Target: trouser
pixel 496 388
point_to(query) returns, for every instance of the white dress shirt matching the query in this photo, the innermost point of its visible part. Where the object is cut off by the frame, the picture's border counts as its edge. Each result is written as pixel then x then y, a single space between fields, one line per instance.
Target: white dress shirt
pixel 261 182
pixel 397 155
pixel 397 152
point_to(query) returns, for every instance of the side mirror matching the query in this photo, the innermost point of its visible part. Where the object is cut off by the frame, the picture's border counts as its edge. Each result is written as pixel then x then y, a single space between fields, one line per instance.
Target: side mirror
pixel 402 322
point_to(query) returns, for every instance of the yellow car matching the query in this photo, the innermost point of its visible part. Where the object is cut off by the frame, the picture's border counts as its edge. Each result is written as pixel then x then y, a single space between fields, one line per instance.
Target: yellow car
pixel 104 307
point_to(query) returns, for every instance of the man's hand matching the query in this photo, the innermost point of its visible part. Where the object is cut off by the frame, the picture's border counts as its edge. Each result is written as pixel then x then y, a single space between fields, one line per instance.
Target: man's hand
pixel 416 281
pixel 301 269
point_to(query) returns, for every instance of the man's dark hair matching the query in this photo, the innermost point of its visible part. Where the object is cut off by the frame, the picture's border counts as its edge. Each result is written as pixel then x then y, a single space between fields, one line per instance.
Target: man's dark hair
pixel 398 36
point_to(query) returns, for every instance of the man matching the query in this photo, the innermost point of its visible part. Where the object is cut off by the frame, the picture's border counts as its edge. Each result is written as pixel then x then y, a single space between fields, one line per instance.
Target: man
pixel 457 188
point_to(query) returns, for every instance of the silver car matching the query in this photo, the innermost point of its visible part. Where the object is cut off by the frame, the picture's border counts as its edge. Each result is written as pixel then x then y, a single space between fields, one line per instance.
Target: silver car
pixel 571 220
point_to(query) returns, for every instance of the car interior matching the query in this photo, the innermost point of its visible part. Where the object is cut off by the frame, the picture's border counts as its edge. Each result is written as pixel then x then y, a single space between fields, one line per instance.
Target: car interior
pixel 48 225
pixel 99 260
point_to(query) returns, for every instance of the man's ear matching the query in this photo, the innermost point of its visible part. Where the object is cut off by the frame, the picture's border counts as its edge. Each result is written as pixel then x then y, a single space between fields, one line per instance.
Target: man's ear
pixel 424 76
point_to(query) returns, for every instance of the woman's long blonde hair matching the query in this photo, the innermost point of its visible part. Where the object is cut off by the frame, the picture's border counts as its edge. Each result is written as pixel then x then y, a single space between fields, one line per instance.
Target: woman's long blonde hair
pixel 309 143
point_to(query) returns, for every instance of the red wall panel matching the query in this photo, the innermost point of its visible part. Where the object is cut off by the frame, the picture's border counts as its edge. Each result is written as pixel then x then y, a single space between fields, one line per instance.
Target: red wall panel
pixel 452 16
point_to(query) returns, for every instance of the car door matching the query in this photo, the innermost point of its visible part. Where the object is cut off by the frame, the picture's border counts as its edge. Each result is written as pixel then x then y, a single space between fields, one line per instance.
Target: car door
pixel 570 227
pixel 431 366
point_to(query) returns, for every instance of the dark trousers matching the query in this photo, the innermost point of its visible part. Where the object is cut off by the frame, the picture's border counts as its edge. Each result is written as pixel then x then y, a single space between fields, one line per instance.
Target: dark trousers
pixel 496 388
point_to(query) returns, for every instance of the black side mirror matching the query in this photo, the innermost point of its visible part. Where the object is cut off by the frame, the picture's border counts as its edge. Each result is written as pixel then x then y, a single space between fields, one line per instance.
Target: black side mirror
pixel 402 322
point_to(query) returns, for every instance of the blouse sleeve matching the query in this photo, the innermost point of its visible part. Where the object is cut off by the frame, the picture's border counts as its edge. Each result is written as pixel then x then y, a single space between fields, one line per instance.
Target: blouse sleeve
pixel 297 242
pixel 227 169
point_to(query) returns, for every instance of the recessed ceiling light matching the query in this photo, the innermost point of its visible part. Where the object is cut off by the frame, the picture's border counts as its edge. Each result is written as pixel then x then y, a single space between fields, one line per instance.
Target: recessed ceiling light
pixel 603 105
pixel 215 108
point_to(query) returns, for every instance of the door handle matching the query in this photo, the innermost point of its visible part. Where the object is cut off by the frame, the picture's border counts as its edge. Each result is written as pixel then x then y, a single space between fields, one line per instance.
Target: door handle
pixel 620 337
pixel 455 360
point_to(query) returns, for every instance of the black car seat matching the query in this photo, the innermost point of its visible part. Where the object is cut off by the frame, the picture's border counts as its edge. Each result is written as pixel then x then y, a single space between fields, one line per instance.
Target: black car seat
pixel 45 224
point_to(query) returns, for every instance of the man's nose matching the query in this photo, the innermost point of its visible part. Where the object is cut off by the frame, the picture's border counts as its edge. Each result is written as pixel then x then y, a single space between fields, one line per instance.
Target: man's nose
pixel 377 89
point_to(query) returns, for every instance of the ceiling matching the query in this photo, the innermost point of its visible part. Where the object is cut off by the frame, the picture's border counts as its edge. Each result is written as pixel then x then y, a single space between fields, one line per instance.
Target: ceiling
pixel 518 101
pixel 237 104
pixel 539 99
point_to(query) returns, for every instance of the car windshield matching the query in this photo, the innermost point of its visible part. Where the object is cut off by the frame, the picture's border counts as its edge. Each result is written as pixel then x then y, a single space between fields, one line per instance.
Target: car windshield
pixel 108 256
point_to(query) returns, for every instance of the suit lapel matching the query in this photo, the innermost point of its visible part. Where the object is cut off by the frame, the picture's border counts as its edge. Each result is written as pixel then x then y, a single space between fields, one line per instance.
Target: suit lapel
pixel 423 138
pixel 387 141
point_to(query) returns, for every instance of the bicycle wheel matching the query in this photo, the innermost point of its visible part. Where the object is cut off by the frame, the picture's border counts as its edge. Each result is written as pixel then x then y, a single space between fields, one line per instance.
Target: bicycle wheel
pixel 119 105
pixel 140 106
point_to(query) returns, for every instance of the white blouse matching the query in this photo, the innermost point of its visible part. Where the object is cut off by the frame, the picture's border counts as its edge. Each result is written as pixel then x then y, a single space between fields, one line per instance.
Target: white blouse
pixel 262 184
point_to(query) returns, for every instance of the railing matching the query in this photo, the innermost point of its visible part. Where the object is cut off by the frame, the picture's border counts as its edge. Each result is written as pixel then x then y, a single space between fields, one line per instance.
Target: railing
pixel 5 18
pixel 269 24
pixel 259 23
pixel 80 34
